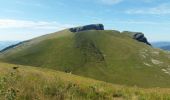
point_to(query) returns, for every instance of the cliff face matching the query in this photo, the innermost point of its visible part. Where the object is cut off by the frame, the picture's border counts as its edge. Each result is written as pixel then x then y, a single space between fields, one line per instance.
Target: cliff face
pixel 88 27
pixel 136 35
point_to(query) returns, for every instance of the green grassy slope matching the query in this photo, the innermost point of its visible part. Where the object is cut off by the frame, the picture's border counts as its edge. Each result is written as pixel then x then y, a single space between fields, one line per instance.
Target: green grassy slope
pixel 31 83
pixel 104 55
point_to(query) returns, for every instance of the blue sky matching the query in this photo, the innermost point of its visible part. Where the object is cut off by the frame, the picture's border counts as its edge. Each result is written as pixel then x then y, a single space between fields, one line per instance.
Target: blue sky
pixel 26 19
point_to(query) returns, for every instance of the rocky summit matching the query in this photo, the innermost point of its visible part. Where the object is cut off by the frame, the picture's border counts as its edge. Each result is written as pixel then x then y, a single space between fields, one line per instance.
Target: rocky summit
pixel 88 27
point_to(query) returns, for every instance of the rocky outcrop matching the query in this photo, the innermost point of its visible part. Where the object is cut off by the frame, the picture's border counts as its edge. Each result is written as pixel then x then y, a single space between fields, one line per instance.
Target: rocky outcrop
pixel 88 27
pixel 141 38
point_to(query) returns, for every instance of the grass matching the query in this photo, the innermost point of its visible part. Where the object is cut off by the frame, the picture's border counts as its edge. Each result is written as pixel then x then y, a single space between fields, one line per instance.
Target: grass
pixel 108 56
pixel 31 83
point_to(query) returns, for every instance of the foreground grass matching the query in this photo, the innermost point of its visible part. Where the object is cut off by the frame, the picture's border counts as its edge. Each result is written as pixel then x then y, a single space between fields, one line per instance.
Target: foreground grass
pixel 29 83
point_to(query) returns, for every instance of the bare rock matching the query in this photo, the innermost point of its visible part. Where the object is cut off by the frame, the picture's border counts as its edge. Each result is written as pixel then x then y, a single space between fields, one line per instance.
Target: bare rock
pixel 141 38
pixel 88 27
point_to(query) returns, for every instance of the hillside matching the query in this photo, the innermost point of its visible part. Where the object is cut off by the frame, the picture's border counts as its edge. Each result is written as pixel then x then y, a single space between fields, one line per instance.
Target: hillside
pixel 105 55
pixel 29 83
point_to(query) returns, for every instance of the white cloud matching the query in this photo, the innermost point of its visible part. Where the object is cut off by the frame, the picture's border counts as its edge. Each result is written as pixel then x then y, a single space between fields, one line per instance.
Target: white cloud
pixel 111 2
pixel 158 10
pixel 12 23
pixel 12 29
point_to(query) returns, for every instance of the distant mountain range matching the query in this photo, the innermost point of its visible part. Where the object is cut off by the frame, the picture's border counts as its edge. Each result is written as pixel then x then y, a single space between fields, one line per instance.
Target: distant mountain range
pixel 162 45
pixel 4 44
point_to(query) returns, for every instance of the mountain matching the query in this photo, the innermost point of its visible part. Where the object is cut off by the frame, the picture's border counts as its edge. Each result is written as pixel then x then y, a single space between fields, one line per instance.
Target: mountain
pixel 166 47
pixel 19 82
pixel 4 44
pixel 105 55
pixel 162 45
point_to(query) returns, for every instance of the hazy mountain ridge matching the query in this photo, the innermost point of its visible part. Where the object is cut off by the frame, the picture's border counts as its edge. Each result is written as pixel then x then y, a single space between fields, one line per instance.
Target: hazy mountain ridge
pixel 162 45
pixel 4 44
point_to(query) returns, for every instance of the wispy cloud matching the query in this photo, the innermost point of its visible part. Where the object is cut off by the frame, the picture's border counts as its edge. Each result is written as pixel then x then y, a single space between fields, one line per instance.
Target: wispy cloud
pixel 12 11
pixel 12 23
pixel 161 9
pixel 143 22
pixel 149 1
pixel 111 2
pixel 31 4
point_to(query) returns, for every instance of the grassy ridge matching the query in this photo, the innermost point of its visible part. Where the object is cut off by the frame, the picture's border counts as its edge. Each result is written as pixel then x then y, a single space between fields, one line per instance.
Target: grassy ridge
pixel 28 83
pixel 109 56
